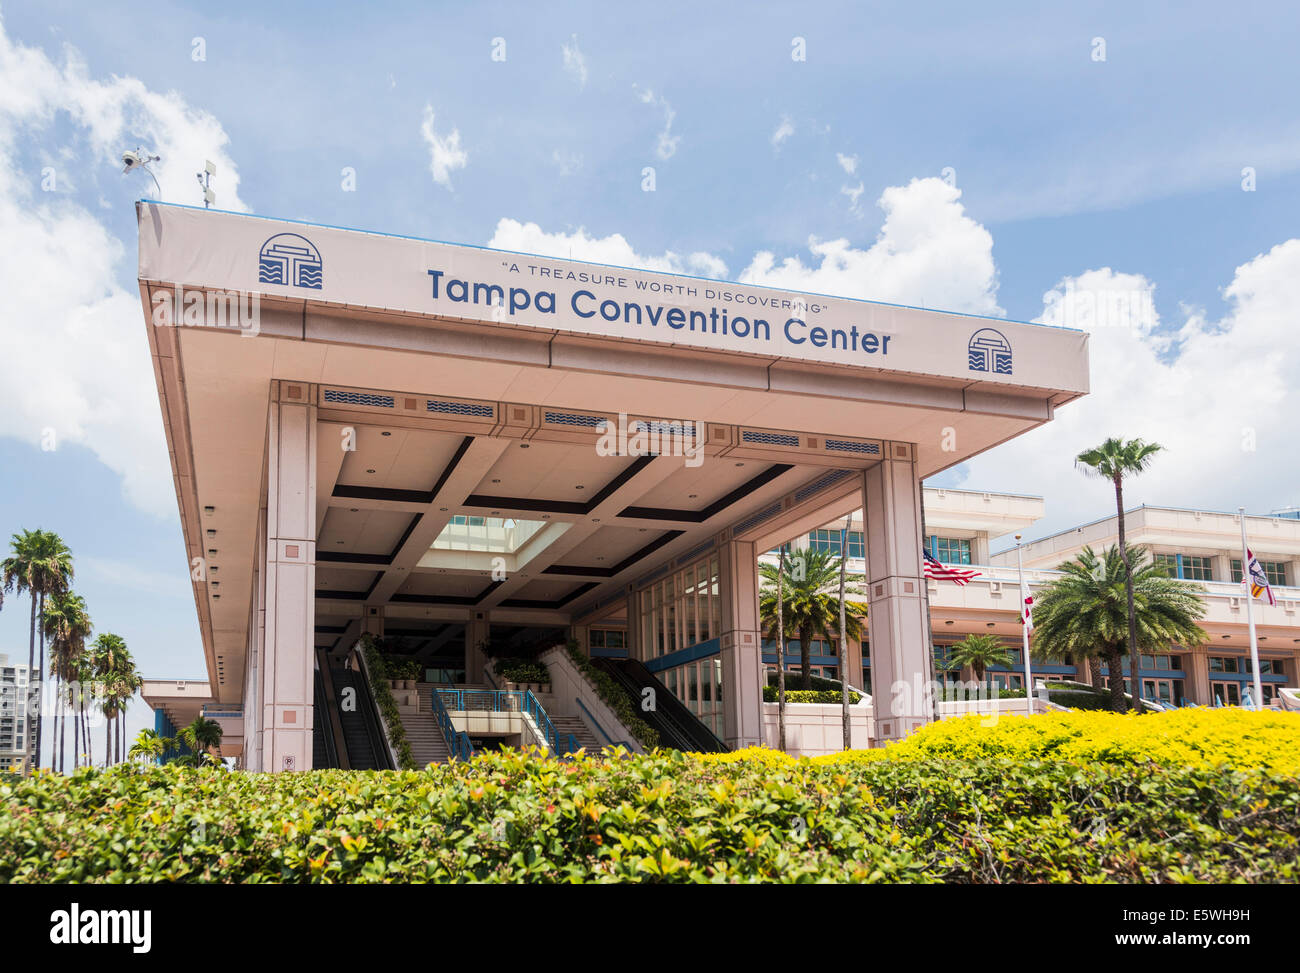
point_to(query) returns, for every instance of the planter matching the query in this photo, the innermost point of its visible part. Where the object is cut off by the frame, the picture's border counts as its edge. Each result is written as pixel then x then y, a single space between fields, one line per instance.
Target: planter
pixel 537 688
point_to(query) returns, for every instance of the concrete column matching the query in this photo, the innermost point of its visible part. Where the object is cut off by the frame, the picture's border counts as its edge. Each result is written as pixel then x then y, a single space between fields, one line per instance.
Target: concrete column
pixel 1196 676
pixel 256 653
pixel 900 655
pixel 372 621
pixel 290 588
pixel 477 631
pixel 1221 566
pixel 742 660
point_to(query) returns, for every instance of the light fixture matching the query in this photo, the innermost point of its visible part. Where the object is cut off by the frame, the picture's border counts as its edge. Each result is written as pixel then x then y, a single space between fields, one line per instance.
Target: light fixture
pixel 580 487
pixel 370 471
pixel 523 445
pixel 385 433
pixel 496 481
pixel 948 623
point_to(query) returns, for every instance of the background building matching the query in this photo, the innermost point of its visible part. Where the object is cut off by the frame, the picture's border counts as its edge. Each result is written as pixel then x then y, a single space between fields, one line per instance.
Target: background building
pixel 15 741
pixel 1204 547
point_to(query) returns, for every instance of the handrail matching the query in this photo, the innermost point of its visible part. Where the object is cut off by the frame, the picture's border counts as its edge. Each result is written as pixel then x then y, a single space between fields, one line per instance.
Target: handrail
pixel 380 744
pixel 502 701
pixel 592 720
pixel 458 742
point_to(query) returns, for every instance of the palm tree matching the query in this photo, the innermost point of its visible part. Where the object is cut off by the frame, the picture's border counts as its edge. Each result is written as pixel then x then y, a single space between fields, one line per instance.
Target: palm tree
pixel 1115 459
pixel 126 684
pixel 1084 614
pixel 201 736
pixel 110 661
pixel 811 604
pixel 40 564
pixel 979 652
pixel 149 745
pixel 67 623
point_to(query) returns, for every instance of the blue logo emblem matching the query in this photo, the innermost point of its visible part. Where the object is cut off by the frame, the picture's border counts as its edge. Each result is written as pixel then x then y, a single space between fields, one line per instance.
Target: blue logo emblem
pixel 989 351
pixel 289 259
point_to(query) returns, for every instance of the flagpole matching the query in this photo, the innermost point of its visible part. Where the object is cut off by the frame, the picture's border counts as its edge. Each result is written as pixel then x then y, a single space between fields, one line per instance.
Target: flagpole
pixel 1024 633
pixel 1250 611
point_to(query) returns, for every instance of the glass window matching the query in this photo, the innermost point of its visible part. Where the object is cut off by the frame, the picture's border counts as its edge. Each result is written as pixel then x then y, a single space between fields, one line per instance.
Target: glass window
pixel 1275 571
pixel 828 539
pixel 1197 568
pixel 951 550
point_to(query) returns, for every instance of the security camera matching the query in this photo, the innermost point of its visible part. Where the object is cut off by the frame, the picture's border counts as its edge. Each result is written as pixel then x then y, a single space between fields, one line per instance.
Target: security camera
pixel 130 160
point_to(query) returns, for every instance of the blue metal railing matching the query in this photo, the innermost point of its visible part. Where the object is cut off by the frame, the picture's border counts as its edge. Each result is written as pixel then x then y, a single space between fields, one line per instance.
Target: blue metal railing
pixel 592 720
pixel 458 743
pixel 502 701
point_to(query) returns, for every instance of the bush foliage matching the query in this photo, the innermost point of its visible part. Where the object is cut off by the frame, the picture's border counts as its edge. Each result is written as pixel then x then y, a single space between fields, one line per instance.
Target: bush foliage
pixel 1076 797
pixel 771 693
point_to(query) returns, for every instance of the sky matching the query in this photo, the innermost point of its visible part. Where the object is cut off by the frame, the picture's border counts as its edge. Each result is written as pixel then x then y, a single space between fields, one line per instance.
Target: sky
pixel 1130 169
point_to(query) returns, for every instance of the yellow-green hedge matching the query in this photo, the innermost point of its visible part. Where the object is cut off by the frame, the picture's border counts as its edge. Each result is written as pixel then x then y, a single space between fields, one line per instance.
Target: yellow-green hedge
pixel 1202 738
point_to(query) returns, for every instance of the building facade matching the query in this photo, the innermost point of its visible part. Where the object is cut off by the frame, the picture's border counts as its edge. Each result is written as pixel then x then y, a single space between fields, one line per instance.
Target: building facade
pixel 1203 547
pixel 465 450
pixel 17 738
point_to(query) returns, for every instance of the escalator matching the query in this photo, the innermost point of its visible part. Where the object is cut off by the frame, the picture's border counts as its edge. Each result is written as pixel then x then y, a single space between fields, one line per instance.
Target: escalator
pixel 678 727
pixel 323 753
pixel 362 734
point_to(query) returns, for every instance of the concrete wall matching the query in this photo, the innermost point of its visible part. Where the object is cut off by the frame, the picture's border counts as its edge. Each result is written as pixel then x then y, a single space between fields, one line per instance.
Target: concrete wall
pixel 813 729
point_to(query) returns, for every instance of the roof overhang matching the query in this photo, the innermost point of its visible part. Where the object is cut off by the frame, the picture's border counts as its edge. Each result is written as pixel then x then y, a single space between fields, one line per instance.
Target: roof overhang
pixel 362 318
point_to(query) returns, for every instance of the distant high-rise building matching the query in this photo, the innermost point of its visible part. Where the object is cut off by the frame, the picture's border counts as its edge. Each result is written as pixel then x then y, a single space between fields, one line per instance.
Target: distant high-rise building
pixel 15 740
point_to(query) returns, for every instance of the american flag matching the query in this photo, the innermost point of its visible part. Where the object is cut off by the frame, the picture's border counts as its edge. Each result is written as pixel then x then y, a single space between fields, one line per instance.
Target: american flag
pixel 943 572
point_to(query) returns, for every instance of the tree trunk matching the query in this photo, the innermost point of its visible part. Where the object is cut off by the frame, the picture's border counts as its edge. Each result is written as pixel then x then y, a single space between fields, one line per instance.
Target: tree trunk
pixel 62 717
pixel 1114 659
pixel 27 708
pixel 40 681
pixel 109 724
pixel 805 654
pixel 1094 672
pixel 76 727
pixel 61 722
pixel 1128 593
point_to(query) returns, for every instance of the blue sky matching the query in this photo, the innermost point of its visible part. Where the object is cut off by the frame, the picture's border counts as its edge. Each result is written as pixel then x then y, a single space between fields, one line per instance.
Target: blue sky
pixel 1122 175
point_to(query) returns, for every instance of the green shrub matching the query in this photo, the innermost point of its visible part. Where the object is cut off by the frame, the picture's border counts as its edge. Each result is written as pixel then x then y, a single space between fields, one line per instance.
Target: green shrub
pixel 384 701
pixel 771 693
pixel 612 693
pixel 794 680
pixel 950 694
pixel 522 670
pixel 512 816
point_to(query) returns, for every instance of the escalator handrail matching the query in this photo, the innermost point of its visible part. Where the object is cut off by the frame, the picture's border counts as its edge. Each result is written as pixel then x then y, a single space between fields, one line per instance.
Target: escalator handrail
pixel 370 714
pixel 322 712
pixel 700 736
pixel 684 729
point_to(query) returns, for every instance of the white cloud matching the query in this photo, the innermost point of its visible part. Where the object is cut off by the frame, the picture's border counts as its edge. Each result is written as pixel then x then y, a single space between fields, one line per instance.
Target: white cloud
pixel 665 141
pixel 613 249
pixel 567 162
pixel 445 152
pixel 928 253
pixel 76 360
pixel 783 131
pixel 849 163
pixel 855 196
pixel 575 63
pixel 1203 389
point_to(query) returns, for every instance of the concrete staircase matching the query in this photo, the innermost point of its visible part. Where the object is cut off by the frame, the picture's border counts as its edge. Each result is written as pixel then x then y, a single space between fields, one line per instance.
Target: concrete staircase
pixel 427 743
pixel 564 725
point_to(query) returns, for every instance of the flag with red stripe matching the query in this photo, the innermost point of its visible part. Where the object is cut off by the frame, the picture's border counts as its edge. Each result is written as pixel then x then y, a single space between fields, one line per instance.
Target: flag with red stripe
pixel 946 572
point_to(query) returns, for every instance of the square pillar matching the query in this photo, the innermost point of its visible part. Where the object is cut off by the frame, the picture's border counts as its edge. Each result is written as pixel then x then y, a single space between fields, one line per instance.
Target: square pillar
pixel 902 693
pixel 741 643
pixel 287 661
pixel 477 632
